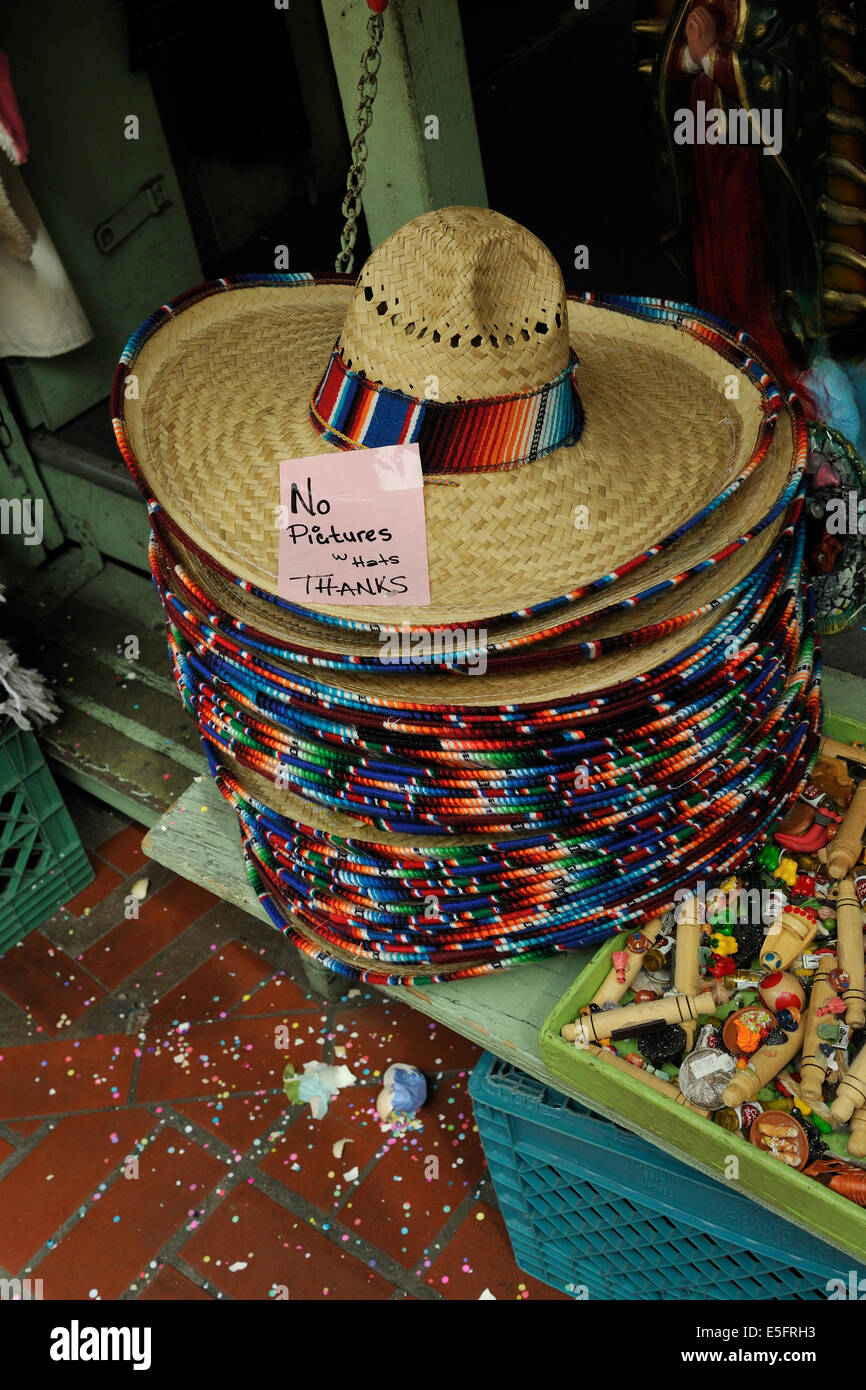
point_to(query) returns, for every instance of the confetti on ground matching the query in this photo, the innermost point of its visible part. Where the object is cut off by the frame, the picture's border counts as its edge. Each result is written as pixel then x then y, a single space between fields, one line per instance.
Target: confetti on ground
pixel 149 1137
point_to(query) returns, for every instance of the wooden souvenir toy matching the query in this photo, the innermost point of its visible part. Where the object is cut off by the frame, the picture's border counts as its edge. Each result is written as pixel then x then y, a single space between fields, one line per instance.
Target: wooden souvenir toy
pixel 789 1085
pixel 849 930
pixel 781 990
pixel 813 1065
pixel 671 1008
pixel 799 819
pixel 857 1136
pixel 836 1074
pixel 848 1179
pixel 832 748
pixel 851 1091
pixel 687 960
pixel 782 1135
pixel 844 851
pixel 764 1064
pixel 743 1029
pixel 616 983
pixel 664 1088
pixel 793 930
pixel 832 778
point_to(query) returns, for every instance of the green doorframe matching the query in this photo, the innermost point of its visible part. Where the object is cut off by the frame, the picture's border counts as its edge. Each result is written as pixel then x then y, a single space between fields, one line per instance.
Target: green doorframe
pixel 423 74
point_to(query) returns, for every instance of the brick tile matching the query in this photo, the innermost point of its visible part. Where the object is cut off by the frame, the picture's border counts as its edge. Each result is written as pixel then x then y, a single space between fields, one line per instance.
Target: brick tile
pixel 65 1075
pixel 93 819
pixel 398 1206
pixel 105 882
pixel 5 1151
pixel 379 1034
pixel 260 936
pixel 153 981
pixel 60 1175
pixel 449 1113
pixel 132 943
pixel 24 1127
pixel 280 995
pixel 302 1159
pixel 235 1055
pixel 276 1248
pixel 169 1285
pixel 15 1026
pixel 107 1255
pixel 43 980
pixel 123 850
pixel 75 935
pixel 213 989
pixel 238 1120
pixel 478 1257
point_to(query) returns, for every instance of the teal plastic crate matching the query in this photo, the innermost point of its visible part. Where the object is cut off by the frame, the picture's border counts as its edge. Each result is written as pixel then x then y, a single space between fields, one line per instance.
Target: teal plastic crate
pixel 42 860
pixel 591 1206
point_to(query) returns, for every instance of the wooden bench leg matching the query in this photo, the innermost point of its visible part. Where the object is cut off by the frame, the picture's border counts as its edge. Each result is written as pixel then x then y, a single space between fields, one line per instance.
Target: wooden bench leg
pixel 322 981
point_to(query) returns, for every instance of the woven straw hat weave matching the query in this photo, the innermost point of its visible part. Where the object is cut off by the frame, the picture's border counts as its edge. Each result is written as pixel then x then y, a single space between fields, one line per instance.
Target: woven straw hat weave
pixel 731 521
pixel 534 680
pixel 225 381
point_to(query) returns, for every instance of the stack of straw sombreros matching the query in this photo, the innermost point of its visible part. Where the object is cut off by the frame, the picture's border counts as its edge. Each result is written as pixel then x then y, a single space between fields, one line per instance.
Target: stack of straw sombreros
pixel 613 502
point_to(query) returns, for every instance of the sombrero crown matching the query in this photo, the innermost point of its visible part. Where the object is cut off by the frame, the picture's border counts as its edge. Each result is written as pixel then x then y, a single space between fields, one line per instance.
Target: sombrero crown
pixel 456 337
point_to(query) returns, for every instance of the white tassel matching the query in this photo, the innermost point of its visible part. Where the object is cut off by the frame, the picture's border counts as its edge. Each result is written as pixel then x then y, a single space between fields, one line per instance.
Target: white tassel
pixel 27 690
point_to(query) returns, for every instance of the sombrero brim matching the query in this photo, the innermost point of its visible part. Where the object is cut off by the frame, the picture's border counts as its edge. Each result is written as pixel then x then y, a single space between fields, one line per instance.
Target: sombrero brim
pixel 717 544
pixel 224 380
pixel 340 826
pixel 673 622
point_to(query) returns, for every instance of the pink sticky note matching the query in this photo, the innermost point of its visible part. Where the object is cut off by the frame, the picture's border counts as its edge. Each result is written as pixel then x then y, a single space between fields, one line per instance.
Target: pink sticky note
pixel 352 528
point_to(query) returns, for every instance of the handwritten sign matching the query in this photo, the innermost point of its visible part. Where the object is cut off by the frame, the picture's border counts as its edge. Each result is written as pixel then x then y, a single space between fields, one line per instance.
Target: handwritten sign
pixel 352 528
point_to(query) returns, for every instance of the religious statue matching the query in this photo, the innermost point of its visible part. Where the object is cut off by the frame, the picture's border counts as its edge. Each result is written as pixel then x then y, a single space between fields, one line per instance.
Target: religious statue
pixel 762 115
pixel 761 120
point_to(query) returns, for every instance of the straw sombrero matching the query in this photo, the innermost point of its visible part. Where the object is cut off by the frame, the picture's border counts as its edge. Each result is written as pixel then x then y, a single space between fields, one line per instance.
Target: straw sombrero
pixel 234 377
pixel 651 696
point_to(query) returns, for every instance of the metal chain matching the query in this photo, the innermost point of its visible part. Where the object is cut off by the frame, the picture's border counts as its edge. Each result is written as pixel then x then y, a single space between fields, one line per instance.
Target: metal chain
pixel 367 86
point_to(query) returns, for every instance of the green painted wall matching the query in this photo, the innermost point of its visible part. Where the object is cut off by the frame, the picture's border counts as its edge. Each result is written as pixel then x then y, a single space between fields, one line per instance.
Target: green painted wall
pixel 69 70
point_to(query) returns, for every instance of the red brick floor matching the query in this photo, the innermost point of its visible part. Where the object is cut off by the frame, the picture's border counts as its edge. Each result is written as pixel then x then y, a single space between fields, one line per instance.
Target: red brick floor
pixel 147 1148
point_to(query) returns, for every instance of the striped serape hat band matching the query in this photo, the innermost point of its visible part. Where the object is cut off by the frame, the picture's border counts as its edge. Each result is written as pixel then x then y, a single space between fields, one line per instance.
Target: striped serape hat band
pixel 475 436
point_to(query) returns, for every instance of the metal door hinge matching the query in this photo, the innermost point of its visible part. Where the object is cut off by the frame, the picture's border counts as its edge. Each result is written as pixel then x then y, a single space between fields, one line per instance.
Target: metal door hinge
pixel 150 200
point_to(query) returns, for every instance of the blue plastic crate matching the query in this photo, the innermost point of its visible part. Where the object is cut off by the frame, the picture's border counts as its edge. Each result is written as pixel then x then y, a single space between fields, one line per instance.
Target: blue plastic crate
pixel 590 1204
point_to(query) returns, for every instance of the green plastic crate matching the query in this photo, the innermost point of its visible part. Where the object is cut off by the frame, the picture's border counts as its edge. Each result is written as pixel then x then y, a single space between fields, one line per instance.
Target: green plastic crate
pixel 689 1136
pixel 42 860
